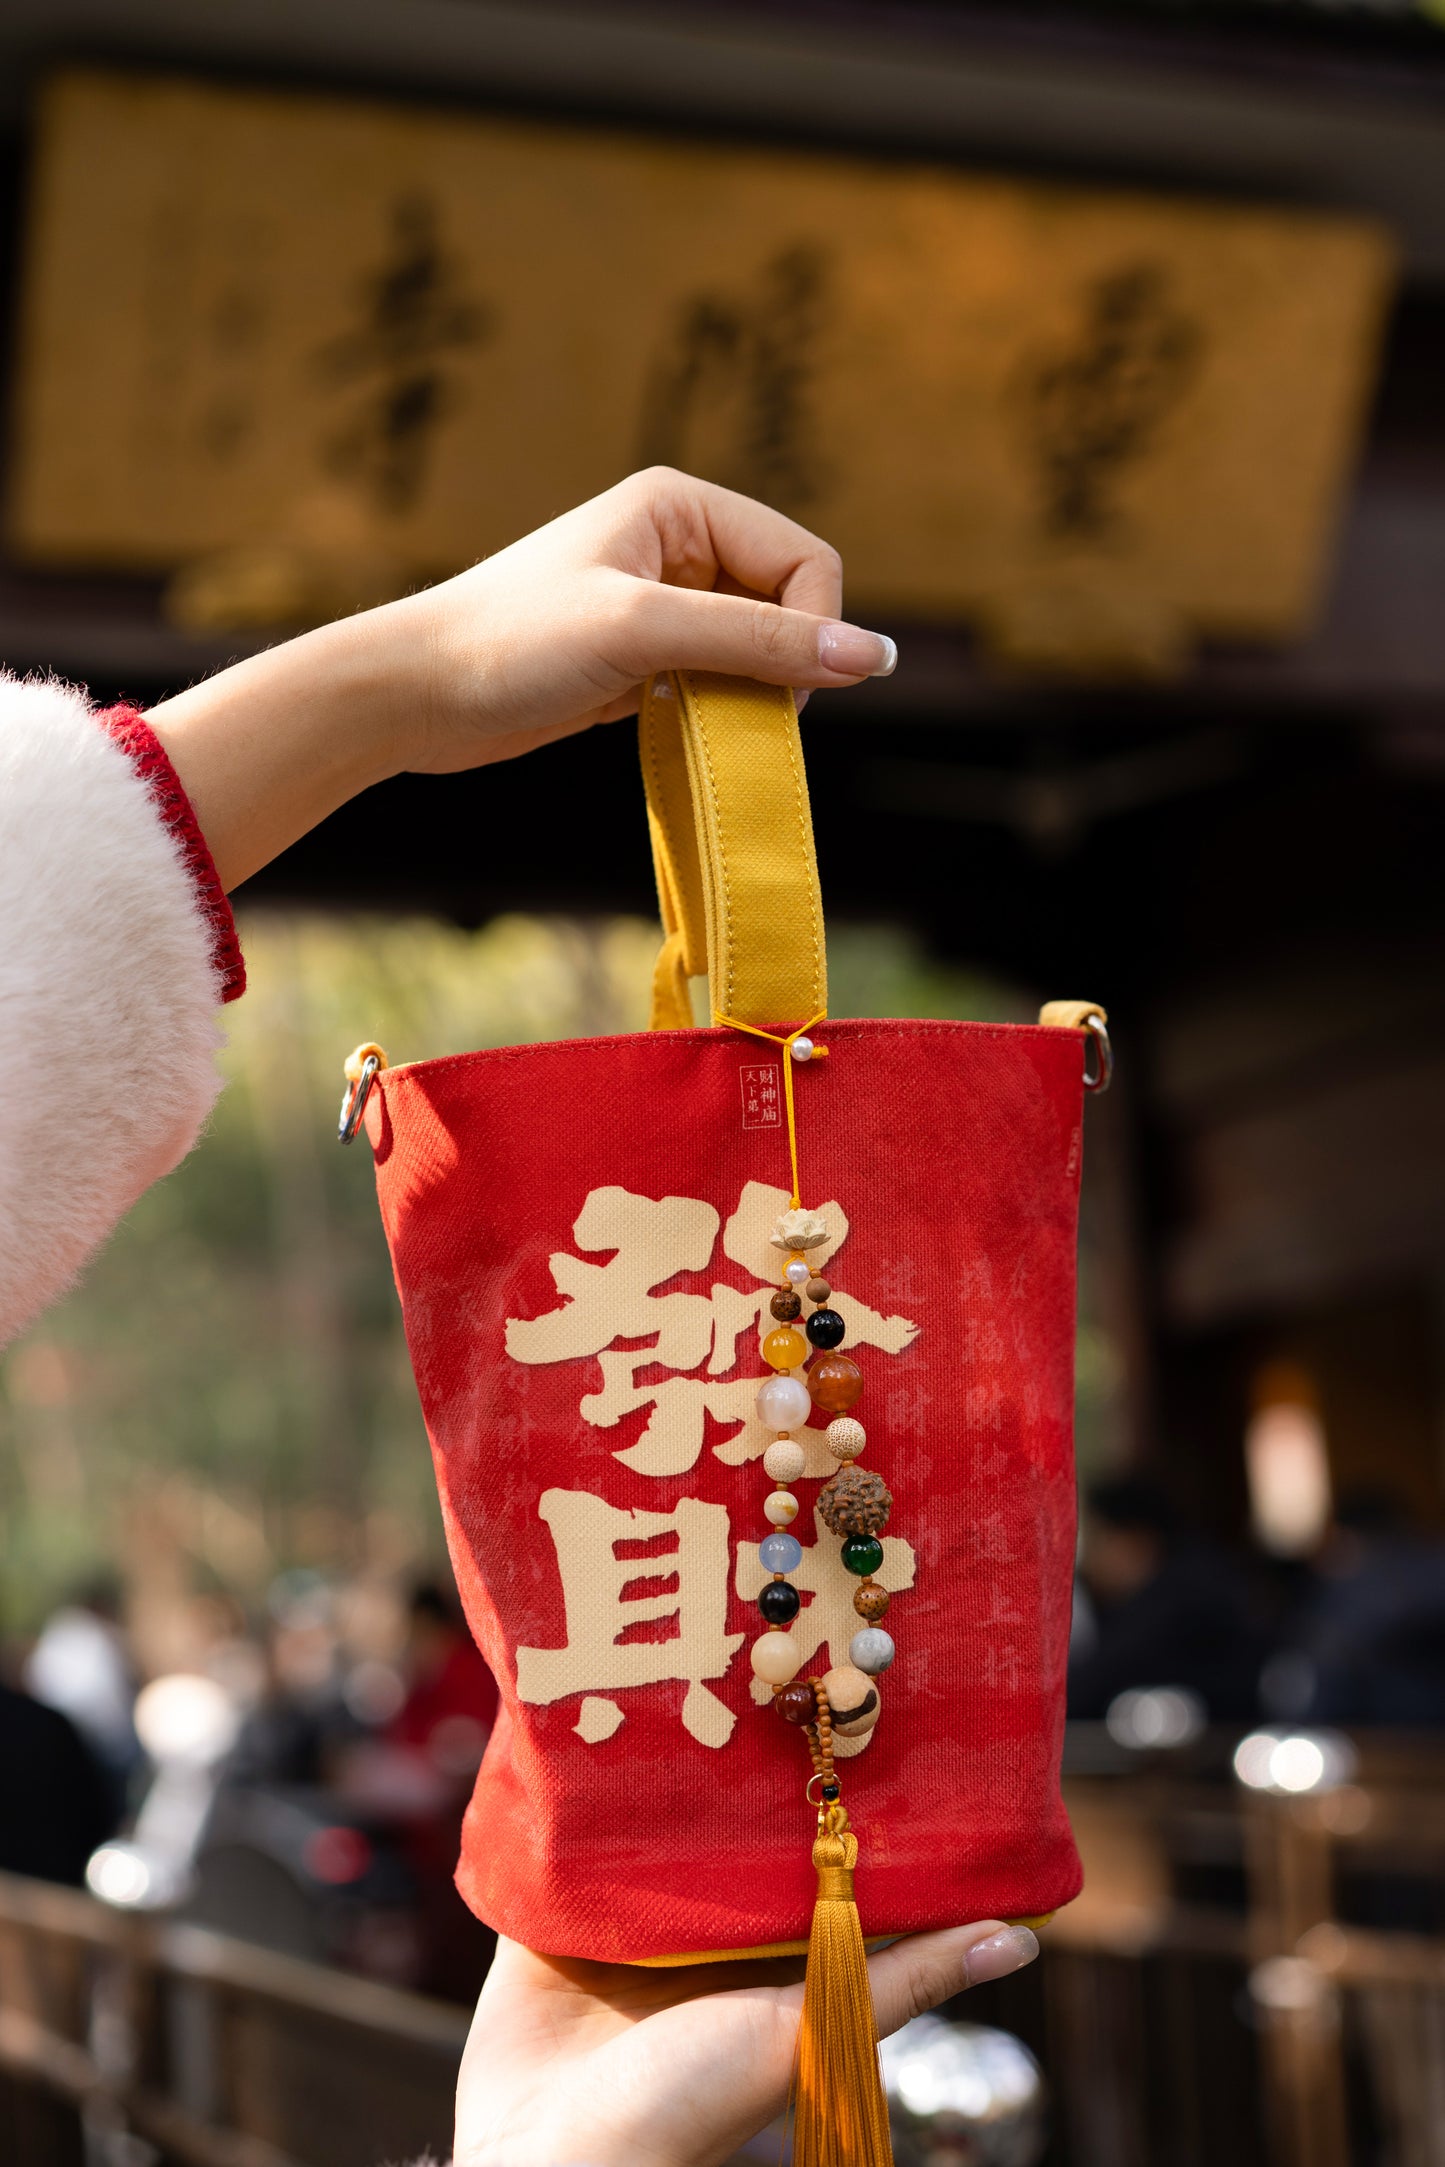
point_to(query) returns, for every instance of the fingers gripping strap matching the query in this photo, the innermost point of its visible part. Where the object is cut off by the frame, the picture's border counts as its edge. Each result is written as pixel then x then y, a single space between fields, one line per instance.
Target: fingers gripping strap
pixel 732 841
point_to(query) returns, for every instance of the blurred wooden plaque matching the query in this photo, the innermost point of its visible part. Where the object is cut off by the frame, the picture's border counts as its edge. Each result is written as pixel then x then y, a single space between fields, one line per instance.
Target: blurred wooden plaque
pixel 250 316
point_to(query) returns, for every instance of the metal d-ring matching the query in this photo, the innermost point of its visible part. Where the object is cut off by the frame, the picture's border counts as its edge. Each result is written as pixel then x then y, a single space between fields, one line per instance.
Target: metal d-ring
pixel 1103 1074
pixel 354 1098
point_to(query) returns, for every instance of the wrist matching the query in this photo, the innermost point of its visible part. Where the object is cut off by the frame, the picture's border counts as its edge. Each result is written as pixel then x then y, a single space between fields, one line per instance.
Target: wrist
pixel 268 748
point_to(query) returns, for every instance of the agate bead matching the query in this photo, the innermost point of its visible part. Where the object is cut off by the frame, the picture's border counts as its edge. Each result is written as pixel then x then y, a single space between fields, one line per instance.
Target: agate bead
pixel 785 1305
pixel 785 1348
pixel 781 1507
pixel 870 1601
pixel 835 1382
pixel 871 1650
pixel 780 1553
pixel 785 1459
pixel 845 1438
pixel 862 1554
pixel 825 1328
pixel 797 1703
pixel 783 1403
pixel 780 1602
pixel 853 1699
pixel 776 1658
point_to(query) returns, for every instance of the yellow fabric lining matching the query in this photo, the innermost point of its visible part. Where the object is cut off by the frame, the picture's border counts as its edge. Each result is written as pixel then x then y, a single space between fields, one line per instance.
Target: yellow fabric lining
pixel 793 1948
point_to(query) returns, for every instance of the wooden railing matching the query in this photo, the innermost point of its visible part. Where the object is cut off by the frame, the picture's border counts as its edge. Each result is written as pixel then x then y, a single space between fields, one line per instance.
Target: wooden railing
pixel 162 2045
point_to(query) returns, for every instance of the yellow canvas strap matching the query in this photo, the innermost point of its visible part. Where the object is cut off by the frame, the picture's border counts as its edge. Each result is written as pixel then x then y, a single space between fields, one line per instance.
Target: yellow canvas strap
pixel 732 843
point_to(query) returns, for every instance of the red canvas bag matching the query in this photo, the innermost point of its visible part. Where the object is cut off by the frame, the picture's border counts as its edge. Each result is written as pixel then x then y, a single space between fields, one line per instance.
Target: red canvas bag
pixel 581 1241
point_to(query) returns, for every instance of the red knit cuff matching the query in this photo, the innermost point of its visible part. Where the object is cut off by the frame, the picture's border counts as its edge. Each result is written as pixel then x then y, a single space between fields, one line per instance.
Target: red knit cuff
pixel 128 728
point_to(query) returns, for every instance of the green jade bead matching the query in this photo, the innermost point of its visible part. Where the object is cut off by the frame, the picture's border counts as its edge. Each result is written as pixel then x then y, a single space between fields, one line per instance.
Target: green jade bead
pixel 862 1554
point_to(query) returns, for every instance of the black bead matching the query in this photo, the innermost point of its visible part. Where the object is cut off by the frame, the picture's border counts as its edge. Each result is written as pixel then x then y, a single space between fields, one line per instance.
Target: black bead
pixel 825 1328
pixel 779 1602
pixel 832 1792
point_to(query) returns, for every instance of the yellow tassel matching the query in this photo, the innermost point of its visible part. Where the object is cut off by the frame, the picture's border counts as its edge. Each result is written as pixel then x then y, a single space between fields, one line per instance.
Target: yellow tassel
pixel 840 2110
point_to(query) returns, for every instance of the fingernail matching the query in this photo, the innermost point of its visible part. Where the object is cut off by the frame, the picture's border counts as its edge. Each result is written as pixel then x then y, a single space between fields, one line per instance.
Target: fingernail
pixel 994 1958
pixel 855 653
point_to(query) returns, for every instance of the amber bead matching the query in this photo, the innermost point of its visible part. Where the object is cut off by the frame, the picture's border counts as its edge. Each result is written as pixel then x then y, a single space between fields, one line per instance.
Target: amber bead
pixel 785 1305
pixel 785 1348
pixel 856 1502
pixel 818 1290
pixel 825 1328
pixel 797 1703
pixel 779 1602
pixel 862 1554
pixel 835 1381
pixel 870 1601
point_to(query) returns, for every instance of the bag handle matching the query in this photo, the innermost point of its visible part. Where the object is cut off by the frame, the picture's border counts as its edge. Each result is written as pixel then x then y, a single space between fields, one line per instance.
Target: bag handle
pixel 732 844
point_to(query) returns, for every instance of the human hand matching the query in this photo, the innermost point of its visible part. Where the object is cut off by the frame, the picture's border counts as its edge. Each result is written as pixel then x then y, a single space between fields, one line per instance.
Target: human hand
pixel 562 629
pixel 619 2065
pixel 551 635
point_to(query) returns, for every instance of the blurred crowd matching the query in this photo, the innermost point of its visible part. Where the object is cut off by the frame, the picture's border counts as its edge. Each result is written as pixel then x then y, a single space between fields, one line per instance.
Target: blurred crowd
pixel 333 1779
pixel 336 1739
pixel 1351 1635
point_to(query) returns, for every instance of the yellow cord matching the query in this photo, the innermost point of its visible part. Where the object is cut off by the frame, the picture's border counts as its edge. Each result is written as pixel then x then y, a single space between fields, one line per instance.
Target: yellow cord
pixel 785 1040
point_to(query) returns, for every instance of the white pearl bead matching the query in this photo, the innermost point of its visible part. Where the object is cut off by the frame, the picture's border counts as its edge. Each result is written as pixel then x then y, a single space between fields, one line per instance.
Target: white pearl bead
pixel 784 1403
pixel 776 1658
pixel 781 1507
pixel 801 1049
pixel 785 1460
pixel 799 1273
pixel 846 1438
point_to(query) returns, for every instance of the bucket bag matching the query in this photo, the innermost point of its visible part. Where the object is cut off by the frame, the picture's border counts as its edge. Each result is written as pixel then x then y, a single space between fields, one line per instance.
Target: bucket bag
pixel 746 1356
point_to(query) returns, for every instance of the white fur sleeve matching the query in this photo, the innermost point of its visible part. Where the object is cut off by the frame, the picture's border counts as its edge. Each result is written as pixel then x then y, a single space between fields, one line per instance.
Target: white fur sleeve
pixel 108 993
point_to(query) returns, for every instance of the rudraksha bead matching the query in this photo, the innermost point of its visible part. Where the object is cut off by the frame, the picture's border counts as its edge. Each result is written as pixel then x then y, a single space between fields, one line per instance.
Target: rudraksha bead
pixel 856 1501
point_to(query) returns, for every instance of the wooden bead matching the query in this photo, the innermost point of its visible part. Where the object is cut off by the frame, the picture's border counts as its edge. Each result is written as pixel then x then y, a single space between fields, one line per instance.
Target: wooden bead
pixel 845 1438
pixel 818 1290
pixel 835 1382
pixel 853 1699
pixel 785 1459
pixel 870 1601
pixel 796 1702
pixel 785 1348
pixel 785 1305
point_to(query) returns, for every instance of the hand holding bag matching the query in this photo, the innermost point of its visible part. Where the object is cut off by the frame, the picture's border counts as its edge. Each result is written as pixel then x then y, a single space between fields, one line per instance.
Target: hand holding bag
pixel 615 1258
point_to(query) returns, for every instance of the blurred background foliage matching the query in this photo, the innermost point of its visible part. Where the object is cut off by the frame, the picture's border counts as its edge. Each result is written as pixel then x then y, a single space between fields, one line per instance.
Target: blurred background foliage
pixel 226 1396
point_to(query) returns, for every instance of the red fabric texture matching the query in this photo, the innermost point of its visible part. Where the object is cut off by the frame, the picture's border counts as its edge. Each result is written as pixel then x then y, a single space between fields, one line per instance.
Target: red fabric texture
pixel 954 1151
pixel 128 728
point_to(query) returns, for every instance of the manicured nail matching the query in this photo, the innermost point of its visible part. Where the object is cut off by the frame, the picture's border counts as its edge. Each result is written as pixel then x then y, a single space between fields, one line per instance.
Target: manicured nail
pixel 855 653
pixel 1006 1951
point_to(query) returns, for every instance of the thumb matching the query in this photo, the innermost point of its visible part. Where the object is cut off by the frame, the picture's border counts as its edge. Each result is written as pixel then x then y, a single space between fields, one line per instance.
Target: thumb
pixel 678 628
pixel 925 1969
